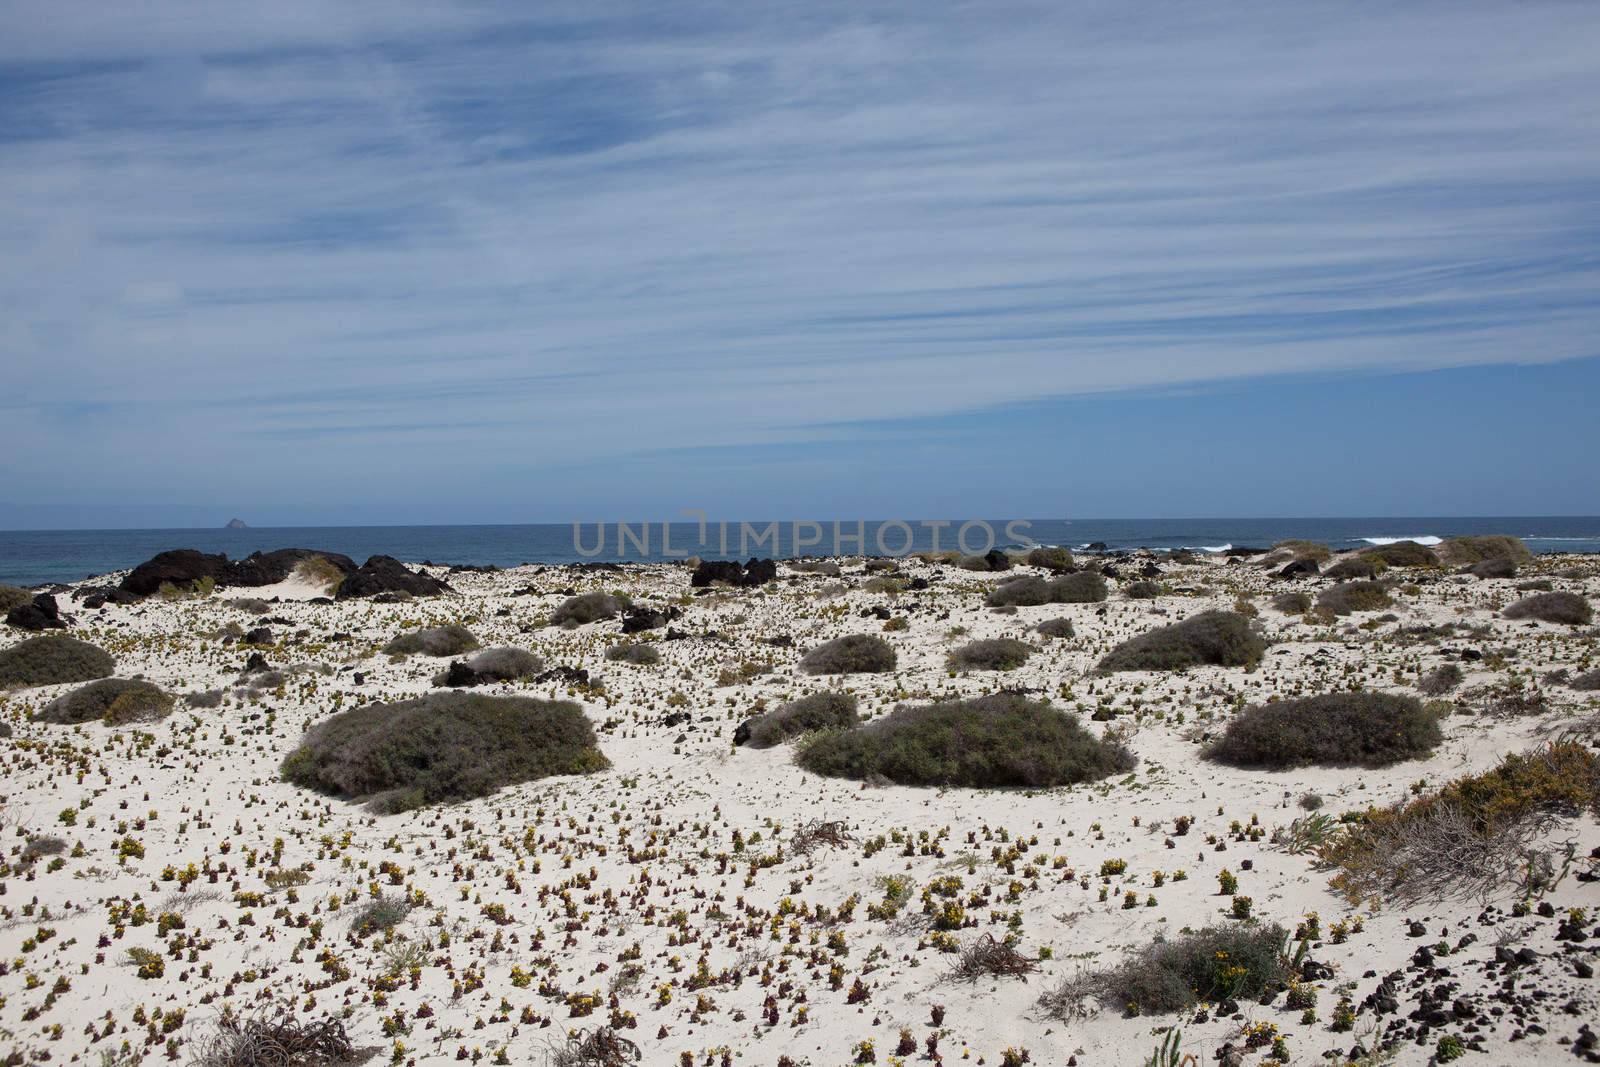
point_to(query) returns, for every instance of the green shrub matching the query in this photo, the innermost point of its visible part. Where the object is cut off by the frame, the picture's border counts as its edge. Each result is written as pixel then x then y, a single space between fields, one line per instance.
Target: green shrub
pixel 586 608
pixel 441 747
pixel 1568 608
pixel 1028 590
pixel 1587 682
pixel 1348 597
pixel 1079 587
pixel 636 653
pixel 116 701
pixel 1213 964
pixel 807 566
pixel 318 571
pixel 1354 567
pixel 1056 628
pixel 1402 554
pixel 1292 603
pixel 995 654
pixel 815 711
pixel 1142 591
pixel 1218 638
pixel 53 659
pixel 1461 551
pixel 505 664
pixel 1049 557
pixel 1328 730
pixel 1537 585
pixel 1470 837
pixel 1295 548
pixel 451 640
pixel 1440 680
pixel 998 740
pixel 852 654
pixel 1498 567
pixel 12 597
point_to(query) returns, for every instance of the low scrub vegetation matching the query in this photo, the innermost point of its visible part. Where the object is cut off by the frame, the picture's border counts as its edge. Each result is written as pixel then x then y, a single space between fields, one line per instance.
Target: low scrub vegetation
pixel 1214 964
pixel 1349 597
pixel 1028 590
pixel 12 597
pixel 1000 740
pixel 1050 558
pixel 1295 548
pixel 1079 587
pixel 442 747
pixel 1402 554
pixel 1498 567
pixel 994 654
pixel 1440 680
pixel 53 659
pixel 1328 730
pixel 1355 567
pixel 1056 628
pixel 1143 590
pixel 1217 638
pixel 451 640
pixel 114 701
pixel 816 711
pixel 1568 608
pixel 1292 603
pixel 586 608
pixel 852 654
pixel 1463 551
pixel 503 664
pixel 634 652
pixel 1475 837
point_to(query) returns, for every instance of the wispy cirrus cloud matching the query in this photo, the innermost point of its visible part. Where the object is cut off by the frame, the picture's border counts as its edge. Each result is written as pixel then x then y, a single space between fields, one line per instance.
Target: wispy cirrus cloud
pixel 397 238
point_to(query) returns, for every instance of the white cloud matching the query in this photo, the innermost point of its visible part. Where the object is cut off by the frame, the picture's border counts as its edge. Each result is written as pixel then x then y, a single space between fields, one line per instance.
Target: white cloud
pixel 418 232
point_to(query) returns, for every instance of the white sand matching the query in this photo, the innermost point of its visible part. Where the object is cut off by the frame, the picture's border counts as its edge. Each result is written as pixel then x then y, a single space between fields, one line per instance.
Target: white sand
pixel 588 867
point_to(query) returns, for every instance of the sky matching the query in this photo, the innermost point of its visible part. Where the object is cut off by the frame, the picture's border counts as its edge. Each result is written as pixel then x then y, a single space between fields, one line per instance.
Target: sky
pixel 345 262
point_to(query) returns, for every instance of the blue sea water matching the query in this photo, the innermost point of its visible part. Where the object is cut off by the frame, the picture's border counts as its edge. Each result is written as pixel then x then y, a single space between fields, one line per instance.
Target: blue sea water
pixel 34 557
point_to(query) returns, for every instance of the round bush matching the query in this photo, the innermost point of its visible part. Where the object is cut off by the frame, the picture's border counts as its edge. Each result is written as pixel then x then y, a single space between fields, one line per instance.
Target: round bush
pixel 1347 597
pixel 451 640
pixel 1568 608
pixel 1329 730
pixel 1143 591
pixel 816 711
pixel 1461 551
pixel 1000 740
pixel 114 701
pixel 586 608
pixel 505 664
pixel 52 660
pixel 1217 638
pixel 1402 554
pixel 1051 558
pixel 1356 567
pixel 1292 603
pixel 12 597
pixel 995 654
pixel 442 747
pixel 1056 628
pixel 1498 567
pixel 1027 590
pixel 852 654
pixel 1079 587
pixel 639 655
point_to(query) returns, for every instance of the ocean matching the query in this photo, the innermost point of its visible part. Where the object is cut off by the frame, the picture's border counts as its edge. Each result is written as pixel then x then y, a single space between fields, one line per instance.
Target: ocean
pixel 36 557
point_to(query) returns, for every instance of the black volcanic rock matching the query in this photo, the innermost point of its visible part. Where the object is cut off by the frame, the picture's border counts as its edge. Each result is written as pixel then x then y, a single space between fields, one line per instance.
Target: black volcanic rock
pixel 385 574
pixel 179 566
pixel 41 614
pixel 270 568
pixel 1300 568
pixel 756 572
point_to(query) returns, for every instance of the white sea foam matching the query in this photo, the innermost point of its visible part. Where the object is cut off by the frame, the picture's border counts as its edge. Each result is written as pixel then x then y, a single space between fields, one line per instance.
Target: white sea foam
pixel 1425 539
pixel 1215 548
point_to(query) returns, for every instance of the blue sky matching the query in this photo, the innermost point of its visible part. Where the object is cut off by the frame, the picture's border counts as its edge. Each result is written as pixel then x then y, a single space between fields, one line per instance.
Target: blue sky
pixel 316 262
